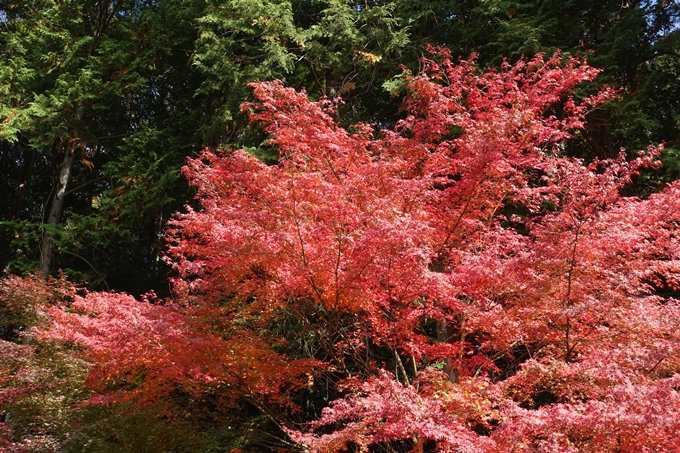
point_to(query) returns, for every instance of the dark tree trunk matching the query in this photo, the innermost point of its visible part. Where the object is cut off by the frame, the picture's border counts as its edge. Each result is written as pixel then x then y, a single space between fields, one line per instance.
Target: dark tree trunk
pixel 56 210
pixel 445 335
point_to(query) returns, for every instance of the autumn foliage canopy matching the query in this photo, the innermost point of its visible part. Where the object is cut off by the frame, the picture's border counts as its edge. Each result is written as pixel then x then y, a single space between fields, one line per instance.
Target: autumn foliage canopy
pixel 452 284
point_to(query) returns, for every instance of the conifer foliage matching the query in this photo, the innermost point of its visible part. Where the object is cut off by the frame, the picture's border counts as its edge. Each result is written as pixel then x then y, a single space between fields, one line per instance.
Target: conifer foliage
pixel 455 282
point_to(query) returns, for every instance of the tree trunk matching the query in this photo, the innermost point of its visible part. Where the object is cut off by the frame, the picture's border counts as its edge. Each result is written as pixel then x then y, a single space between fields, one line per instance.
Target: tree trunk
pixel 56 210
pixel 445 335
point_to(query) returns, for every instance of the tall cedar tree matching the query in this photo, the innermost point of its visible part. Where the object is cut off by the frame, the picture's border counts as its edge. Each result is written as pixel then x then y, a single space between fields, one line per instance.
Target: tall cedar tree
pixel 455 284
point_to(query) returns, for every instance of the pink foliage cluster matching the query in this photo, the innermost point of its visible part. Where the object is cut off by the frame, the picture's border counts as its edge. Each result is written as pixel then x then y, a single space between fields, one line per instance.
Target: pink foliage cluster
pixel 383 410
pixel 21 302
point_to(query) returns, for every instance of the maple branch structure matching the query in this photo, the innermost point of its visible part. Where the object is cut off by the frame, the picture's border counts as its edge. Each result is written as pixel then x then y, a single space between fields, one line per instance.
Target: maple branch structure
pixel 332 275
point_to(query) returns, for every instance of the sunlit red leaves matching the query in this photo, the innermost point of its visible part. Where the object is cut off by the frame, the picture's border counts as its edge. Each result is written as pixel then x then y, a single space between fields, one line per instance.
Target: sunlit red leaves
pixel 351 222
pixel 461 238
pixel 348 241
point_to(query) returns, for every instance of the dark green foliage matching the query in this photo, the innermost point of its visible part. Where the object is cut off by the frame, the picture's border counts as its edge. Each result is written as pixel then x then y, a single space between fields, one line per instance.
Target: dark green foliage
pixel 106 81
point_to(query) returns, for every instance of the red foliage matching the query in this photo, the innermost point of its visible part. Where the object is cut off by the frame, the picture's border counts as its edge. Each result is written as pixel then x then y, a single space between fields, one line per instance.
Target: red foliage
pixel 144 351
pixel 462 238
pixel 5 438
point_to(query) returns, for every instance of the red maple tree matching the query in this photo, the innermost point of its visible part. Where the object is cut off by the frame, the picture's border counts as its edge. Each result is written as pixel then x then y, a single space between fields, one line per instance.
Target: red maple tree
pixel 457 282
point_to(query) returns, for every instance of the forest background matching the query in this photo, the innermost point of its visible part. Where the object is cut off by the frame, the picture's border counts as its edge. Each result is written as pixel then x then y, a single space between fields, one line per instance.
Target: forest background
pixel 102 102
